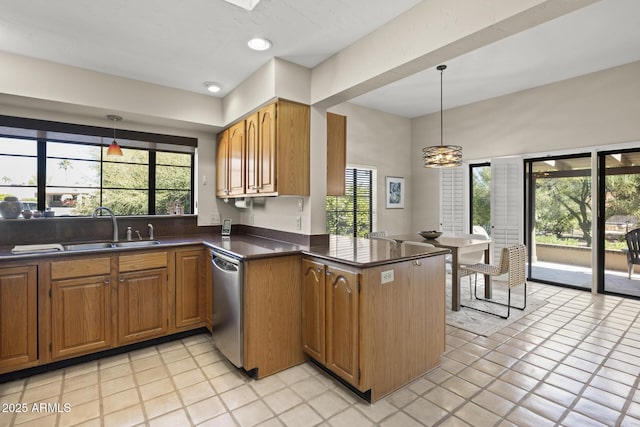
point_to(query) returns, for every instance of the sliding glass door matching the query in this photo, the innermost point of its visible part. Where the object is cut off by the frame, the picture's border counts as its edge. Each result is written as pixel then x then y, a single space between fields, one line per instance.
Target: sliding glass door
pixel 558 210
pixel 619 207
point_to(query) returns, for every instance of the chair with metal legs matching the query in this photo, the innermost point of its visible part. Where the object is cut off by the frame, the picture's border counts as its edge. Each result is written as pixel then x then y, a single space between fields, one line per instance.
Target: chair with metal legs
pixel 512 261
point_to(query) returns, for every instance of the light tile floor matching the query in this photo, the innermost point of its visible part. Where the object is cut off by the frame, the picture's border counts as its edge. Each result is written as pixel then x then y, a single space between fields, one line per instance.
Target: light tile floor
pixel 574 362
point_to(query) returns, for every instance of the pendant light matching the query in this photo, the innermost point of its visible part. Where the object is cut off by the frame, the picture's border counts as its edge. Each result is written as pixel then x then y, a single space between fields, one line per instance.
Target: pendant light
pixel 442 156
pixel 114 149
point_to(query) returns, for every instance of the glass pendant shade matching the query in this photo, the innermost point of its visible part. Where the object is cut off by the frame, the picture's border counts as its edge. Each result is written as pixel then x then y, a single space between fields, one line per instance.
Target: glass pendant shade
pixel 442 156
pixel 114 149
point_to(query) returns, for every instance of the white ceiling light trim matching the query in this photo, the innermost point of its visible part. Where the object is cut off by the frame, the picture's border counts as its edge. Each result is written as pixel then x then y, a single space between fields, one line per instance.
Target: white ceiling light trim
pixel 213 87
pixel 259 43
pixel 245 4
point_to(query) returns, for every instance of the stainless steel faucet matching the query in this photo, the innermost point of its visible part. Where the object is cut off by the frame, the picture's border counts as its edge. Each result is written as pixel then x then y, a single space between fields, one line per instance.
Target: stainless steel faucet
pixel 150 231
pixel 113 220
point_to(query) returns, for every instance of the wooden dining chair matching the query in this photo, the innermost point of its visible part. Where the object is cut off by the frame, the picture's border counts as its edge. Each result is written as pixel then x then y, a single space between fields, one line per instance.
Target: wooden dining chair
pixel 633 249
pixel 512 261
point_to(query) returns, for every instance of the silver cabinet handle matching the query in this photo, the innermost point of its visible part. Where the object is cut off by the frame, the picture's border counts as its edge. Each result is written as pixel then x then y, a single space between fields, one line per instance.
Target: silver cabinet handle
pixel 106 281
pixel 122 280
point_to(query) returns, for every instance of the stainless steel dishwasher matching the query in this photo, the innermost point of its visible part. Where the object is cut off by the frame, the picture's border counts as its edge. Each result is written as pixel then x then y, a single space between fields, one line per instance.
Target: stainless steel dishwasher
pixel 227 307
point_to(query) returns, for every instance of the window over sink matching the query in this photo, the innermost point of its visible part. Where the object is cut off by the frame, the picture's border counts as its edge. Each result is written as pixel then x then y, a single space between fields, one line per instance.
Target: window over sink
pixel 71 174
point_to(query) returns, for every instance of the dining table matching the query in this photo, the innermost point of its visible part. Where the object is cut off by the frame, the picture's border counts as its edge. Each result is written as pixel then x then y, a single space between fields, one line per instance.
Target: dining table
pixel 458 245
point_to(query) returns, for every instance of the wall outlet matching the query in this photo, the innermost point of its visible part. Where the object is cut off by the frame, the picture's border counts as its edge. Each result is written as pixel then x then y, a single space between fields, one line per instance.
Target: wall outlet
pixel 214 218
pixel 299 223
pixel 386 276
pixel 300 204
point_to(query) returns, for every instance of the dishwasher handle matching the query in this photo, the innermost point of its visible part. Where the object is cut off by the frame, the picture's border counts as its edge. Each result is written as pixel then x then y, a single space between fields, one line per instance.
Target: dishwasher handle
pixel 224 265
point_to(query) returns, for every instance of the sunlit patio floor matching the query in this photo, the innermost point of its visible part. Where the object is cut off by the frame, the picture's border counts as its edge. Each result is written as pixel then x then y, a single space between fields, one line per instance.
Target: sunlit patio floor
pixel 615 281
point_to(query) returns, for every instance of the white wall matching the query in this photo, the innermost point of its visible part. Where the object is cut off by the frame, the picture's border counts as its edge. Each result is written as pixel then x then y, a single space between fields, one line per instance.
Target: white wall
pixel 381 140
pixel 598 109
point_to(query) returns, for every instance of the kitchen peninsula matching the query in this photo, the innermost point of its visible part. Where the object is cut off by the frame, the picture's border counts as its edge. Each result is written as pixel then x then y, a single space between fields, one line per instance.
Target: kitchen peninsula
pixel 373 312
pixel 370 312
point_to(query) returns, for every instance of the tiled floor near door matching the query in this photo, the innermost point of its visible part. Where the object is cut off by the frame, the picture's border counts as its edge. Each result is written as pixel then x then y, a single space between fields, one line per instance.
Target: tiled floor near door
pixel 574 362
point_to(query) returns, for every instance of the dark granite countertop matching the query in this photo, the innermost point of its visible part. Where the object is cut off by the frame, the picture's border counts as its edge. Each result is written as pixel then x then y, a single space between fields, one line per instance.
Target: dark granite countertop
pixel 360 253
pixel 363 253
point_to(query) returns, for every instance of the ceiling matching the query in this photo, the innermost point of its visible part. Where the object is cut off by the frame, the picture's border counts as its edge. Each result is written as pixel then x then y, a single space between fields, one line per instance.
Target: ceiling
pixel 184 44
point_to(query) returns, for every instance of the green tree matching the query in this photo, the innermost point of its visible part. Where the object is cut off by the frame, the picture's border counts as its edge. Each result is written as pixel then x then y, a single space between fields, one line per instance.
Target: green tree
pixel 125 184
pixel 482 196
pixel 622 195
pixel 565 203
pixel 65 165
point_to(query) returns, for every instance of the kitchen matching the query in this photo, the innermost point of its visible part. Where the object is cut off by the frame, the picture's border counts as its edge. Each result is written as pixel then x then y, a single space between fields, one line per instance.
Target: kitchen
pixel 33 97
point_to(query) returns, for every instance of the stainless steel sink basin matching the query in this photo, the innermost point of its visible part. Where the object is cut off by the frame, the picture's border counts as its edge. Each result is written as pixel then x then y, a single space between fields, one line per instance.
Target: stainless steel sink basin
pixel 92 246
pixel 88 246
pixel 136 243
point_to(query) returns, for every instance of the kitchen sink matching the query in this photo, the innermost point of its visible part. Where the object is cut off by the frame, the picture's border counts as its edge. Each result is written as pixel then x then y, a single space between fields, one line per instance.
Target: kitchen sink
pixel 136 243
pixel 92 246
pixel 88 246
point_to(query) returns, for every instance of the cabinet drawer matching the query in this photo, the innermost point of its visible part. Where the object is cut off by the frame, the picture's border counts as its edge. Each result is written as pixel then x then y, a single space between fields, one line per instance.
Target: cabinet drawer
pixel 144 261
pixel 69 269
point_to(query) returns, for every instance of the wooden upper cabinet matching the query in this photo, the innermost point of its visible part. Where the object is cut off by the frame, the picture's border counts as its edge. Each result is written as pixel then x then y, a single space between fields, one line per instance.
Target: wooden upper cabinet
pixel 237 159
pixel 230 161
pixel 268 162
pixel 18 317
pixel 222 164
pixel 253 150
pixel 336 154
pixel 261 151
pixel 268 152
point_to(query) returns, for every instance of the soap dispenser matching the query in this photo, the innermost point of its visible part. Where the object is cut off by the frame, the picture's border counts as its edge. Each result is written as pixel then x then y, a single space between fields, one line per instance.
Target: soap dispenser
pixel 128 233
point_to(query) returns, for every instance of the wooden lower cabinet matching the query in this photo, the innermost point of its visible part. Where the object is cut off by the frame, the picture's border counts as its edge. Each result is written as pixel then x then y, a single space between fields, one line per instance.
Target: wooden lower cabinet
pixel 142 305
pixel 272 322
pixel 313 300
pixel 342 323
pixel 376 336
pixel 18 317
pixel 190 287
pixel 330 318
pixel 81 312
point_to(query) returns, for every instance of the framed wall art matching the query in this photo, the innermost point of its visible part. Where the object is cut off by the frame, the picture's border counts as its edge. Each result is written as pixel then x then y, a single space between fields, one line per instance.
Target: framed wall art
pixel 394 189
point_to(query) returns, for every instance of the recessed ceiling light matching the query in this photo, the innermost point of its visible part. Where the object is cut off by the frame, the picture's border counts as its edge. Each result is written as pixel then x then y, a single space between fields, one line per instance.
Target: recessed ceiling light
pixel 245 4
pixel 212 87
pixel 259 43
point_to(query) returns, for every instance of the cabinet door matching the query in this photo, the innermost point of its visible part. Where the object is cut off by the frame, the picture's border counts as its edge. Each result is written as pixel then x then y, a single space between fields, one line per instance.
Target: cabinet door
pixel 313 300
pixel 222 165
pixel 81 316
pixel 267 147
pixel 142 305
pixel 336 154
pixel 342 323
pixel 190 283
pixel 236 159
pixel 253 150
pixel 18 316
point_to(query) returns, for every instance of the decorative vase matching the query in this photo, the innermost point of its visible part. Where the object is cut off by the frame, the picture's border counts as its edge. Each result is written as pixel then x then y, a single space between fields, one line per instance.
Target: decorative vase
pixel 10 207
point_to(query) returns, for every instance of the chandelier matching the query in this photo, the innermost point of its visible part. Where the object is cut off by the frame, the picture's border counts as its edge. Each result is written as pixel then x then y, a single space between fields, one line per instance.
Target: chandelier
pixel 442 156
